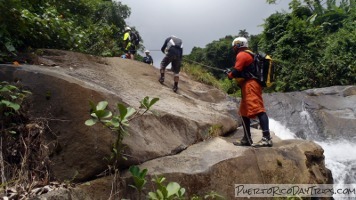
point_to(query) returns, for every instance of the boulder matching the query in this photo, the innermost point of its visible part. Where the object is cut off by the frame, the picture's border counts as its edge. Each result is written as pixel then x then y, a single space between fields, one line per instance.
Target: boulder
pixel 217 165
pixel 61 94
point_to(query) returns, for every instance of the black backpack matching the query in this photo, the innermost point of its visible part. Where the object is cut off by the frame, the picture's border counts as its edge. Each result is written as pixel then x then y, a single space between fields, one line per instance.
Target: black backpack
pixel 262 69
pixel 135 38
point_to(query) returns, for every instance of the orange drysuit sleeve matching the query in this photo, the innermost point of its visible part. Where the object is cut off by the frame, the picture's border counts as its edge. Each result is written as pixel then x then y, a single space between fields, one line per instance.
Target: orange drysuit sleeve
pixel 243 59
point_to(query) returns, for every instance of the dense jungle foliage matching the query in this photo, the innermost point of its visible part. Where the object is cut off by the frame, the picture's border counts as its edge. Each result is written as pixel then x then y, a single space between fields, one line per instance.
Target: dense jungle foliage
pixel 312 46
pixel 88 26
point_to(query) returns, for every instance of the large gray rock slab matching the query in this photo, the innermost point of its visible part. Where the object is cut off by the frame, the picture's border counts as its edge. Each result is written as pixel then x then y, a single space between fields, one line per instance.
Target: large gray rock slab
pixel 61 94
pixel 217 165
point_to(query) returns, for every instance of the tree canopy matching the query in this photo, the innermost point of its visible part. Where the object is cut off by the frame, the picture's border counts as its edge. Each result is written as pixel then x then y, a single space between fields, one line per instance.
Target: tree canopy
pixel 89 26
pixel 313 46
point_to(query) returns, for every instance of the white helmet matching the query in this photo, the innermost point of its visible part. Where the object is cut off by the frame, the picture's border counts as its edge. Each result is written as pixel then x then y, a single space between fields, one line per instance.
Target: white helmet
pixel 147 51
pixel 127 28
pixel 240 42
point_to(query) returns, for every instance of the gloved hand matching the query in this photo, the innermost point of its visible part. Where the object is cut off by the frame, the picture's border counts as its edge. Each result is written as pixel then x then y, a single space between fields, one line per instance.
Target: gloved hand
pixel 227 71
pixel 230 75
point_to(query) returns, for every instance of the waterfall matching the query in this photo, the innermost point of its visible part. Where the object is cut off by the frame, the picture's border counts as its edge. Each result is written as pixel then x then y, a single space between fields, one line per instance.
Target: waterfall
pixel 308 124
pixel 340 155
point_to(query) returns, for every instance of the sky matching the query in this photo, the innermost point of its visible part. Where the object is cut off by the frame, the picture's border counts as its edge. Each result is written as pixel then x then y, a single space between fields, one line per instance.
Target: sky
pixel 196 22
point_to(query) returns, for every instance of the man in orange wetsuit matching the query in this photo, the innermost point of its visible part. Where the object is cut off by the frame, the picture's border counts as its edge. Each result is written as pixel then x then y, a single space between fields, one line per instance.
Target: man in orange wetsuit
pixel 251 105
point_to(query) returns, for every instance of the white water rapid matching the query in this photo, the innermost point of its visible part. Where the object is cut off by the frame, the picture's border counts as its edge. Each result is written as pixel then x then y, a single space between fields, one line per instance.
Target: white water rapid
pixel 340 155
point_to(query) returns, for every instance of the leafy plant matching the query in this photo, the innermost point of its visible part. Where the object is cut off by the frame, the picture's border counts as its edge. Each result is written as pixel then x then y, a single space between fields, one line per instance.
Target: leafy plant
pixel 139 178
pixel 24 157
pixel 11 98
pixel 163 192
pixel 166 192
pixel 213 195
pixel 117 123
pixel 88 26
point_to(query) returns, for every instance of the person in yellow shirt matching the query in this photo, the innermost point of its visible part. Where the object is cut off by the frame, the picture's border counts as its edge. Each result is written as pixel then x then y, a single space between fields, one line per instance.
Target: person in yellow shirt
pixel 129 47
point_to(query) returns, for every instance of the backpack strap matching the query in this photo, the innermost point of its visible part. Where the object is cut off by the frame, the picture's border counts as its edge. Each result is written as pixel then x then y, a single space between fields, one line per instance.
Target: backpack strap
pixel 249 71
pixel 250 52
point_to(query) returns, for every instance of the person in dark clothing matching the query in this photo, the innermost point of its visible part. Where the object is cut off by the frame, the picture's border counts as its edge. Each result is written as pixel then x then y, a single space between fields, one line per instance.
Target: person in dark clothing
pixel 173 48
pixel 148 58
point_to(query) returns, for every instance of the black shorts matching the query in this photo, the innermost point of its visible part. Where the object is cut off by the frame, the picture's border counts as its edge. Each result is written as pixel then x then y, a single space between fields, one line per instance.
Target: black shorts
pixel 175 62
pixel 132 50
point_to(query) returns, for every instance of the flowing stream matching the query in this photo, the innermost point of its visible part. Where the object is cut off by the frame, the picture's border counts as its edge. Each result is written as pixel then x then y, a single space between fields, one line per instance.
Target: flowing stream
pixel 340 155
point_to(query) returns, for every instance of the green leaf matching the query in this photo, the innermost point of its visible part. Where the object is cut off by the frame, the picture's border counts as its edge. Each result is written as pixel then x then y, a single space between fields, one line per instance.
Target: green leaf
pixel 11 87
pixel 172 188
pixel 107 114
pixel 144 102
pixel 92 106
pixel 133 186
pixel 153 196
pixel 139 182
pixel 311 19
pixel 4 89
pixel 115 122
pixel 101 105
pixel 147 103
pixel 125 122
pixel 153 101
pixel 130 112
pixel 143 173
pixel 91 122
pixel 160 194
pixel 159 180
pixel 103 114
pixel 10 104
pixel 115 151
pixel 94 115
pixel 106 121
pixel 122 110
pixel 181 192
pixel 10 47
pixel 135 170
pixel 26 92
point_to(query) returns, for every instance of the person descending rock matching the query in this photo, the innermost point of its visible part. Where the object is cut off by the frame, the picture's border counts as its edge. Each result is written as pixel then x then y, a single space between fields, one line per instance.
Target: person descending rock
pixel 173 48
pixel 148 58
pixel 251 105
